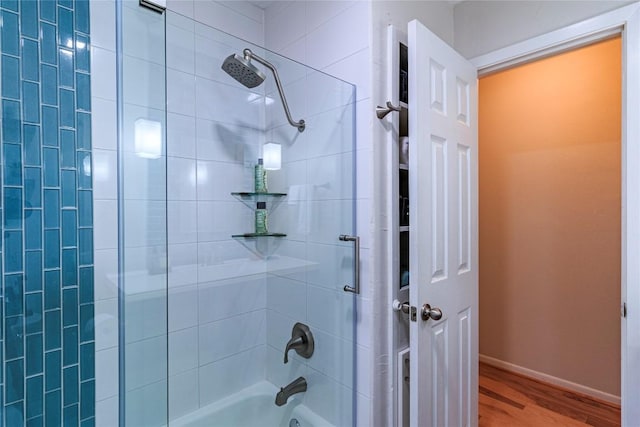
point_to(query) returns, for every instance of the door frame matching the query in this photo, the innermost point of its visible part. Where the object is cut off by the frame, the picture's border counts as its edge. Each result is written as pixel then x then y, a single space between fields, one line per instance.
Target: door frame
pixel 624 21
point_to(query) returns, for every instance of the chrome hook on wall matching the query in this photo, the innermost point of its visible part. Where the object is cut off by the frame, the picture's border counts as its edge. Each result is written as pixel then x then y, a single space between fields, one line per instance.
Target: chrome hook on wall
pixel 382 112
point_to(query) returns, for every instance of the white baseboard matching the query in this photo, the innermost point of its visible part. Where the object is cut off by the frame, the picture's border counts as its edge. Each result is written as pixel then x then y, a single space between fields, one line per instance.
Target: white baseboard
pixel 578 388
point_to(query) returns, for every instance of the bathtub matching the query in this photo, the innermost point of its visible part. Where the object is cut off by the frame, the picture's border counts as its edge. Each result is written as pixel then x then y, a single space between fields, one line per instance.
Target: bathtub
pixel 252 407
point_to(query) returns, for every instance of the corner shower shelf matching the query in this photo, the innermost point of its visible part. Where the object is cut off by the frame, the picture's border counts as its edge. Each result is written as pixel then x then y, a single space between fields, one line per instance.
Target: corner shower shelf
pixel 252 235
pixel 246 194
pixel 262 245
pixel 250 198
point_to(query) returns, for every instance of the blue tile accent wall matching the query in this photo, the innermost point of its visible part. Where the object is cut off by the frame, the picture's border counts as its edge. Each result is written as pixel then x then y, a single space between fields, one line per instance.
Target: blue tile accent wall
pixel 47 347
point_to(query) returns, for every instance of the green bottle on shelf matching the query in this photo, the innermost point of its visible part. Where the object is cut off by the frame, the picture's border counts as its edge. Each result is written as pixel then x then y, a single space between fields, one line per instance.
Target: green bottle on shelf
pixel 260 177
pixel 261 218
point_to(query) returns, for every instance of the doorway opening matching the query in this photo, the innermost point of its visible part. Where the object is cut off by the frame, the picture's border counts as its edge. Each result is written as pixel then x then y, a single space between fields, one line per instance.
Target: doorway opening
pixel 550 219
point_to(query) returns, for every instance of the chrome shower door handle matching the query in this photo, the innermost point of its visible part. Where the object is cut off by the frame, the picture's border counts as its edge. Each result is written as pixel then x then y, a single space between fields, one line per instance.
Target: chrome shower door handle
pixel 356 263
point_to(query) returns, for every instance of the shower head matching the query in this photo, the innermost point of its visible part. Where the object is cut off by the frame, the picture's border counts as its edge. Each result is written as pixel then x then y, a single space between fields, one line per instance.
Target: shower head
pixel 241 69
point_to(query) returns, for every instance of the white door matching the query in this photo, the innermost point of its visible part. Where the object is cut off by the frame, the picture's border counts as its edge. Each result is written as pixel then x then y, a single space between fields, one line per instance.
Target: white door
pixel 443 194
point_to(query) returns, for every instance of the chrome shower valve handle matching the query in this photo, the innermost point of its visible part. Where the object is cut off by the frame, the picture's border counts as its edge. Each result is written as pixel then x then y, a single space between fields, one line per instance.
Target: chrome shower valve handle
pixel 301 341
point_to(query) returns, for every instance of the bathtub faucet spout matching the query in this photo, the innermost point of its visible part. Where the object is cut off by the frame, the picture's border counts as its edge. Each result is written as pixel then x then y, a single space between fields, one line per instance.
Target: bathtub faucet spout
pixel 297 386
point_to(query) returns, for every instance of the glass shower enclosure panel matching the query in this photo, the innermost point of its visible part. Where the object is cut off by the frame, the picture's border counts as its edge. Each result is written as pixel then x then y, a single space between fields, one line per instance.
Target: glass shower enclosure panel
pixel 142 217
pixel 220 275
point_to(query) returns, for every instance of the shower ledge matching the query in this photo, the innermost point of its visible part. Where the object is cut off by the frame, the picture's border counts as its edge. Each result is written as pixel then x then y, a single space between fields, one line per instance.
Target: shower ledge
pixel 141 282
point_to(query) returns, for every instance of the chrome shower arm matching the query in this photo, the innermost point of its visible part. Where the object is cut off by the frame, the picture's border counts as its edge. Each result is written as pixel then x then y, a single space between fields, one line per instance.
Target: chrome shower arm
pixel 248 54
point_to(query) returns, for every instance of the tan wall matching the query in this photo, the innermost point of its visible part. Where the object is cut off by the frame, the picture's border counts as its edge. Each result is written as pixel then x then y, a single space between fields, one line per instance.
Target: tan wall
pixel 549 137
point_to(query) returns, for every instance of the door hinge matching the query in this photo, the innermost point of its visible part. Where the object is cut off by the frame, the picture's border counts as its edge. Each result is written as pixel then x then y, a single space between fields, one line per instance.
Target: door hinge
pixel 623 309
pixel 406 370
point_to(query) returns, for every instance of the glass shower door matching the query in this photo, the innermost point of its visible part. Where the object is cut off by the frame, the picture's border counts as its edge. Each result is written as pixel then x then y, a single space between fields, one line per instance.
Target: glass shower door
pixel 307 275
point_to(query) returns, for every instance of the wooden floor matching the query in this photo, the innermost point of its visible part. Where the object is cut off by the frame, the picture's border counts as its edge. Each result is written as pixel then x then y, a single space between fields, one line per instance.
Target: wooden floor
pixel 508 399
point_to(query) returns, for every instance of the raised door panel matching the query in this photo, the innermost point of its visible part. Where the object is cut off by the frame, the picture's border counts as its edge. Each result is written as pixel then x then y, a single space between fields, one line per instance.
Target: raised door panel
pixel 439 208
